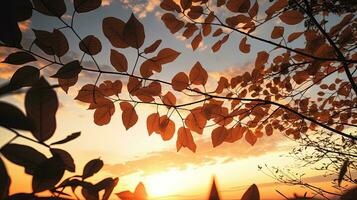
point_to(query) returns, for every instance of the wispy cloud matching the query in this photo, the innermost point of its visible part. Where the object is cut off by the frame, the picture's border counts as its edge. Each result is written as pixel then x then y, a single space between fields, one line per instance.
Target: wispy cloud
pixel 206 155
pixel 141 7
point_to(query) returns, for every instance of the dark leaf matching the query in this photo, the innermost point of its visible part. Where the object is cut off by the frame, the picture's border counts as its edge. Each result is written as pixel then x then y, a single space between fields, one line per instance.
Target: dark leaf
pixel 19 58
pixel 92 167
pixel 109 189
pixel 89 192
pixel 10 33
pixel 82 6
pixel 66 158
pixel 113 30
pixel 12 117
pixel 4 180
pixel 350 194
pixel 152 47
pixel 68 138
pixel 23 10
pixel 134 33
pixel 48 174
pixel 24 76
pixel 24 156
pixel 50 7
pixel 343 171
pixel 41 105
pixel 91 45
pixel 69 70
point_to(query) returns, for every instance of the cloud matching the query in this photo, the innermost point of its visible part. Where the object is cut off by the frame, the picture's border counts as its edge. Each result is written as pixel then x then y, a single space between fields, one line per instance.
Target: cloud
pixel 141 7
pixel 205 155
pixel 107 2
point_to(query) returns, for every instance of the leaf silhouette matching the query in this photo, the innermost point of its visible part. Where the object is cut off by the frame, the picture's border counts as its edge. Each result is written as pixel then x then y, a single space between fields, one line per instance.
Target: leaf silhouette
pixel 91 168
pixel 69 70
pixel 198 75
pixel 47 174
pixel 113 30
pixel 50 7
pixel 65 157
pixel 277 32
pixel 350 194
pixel 88 93
pixel 252 193
pixel 65 84
pixel 12 117
pixel 180 81
pixel 133 32
pixel 292 17
pixel 172 23
pixel 139 193
pixel 241 6
pixel 185 139
pixel 243 46
pixel 24 156
pixel 23 10
pixel 5 181
pixel 41 105
pixel 82 6
pixel 19 58
pixel 152 47
pixel 129 115
pixel 24 76
pixel 10 34
pixel 91 45
pixel 118 60
pixel 54 43
pixel 218 136
pixel 67 139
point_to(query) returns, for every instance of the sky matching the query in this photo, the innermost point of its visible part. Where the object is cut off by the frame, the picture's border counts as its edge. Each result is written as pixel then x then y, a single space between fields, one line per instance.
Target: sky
pixel 133 155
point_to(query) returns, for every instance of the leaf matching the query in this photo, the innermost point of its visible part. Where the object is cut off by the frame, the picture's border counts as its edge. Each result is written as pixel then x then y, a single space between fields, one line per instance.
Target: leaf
pixel 22 155
pixel 50 7
pixel 222 84
pixel 82 6
pixel 185 139
pixel 109 88
pixel 277 32
pixel 277 6
pixel 190 30
pixel 253 11
pixel 294 36
pixel 69 70
pixel 166 55
pixel 153 123
pixel 66 158
pixel 169 99
pixel 133 32
pixel 152 47
pixel 104 110
pixel 218 135
pixel 170 5
pixel 221 3
pixel 166 128
pixel 24 76
pixel 198 75
pixel 250 137
pixel 261 59
pixel 196 121
pixel 172 23
pixel 343 171
pixel 129 115
pixel 241 6
pixel 44 41
pixel 196 41
pixel 65 84
pixel 90 45
pixel 118 60
pixel 252 193
pixel 291 17
pixel 235 134
pixel 91 168
pixel 350 194
pixel 195 12
pixel 12 117
pixel 88 93
pixel 139 194
pixel 89 192
pixel 269 130
pixel 10 33
pixel 48 174
pixel 113 30
pixel 243 46
pixel 109 189
pixel 59 43
pixel 185 4
pixel 67 139
pixel 180 81
pixel 23 10
pixel 148 66
pixel 41 105
pixel 4 180
pixel 19 58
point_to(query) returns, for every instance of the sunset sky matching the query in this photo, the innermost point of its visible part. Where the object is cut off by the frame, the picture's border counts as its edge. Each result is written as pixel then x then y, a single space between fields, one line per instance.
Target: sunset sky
pixel 133 155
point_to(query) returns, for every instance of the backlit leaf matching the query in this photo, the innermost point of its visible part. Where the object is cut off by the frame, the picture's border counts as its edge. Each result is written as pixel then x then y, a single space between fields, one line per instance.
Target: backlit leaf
pixel 185 4
pixel 196 41
pixel 180 81
pixel 218 135
pixel 166 55
pixel 277 32
pixel 153 123
pixel 241 6
pixel 243 46
pixel 166 128
pixel 250 137
pixel 118 60
pixel 113 30
pixel 134 33
pixel 185 139
pixel 152 47
pixel 291 17
pixel 129 115
pixel 91 45
pixel 172 23
pixel 198 75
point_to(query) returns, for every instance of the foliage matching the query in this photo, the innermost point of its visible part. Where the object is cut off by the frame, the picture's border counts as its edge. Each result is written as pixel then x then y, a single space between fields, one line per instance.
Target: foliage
pixel 304 83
